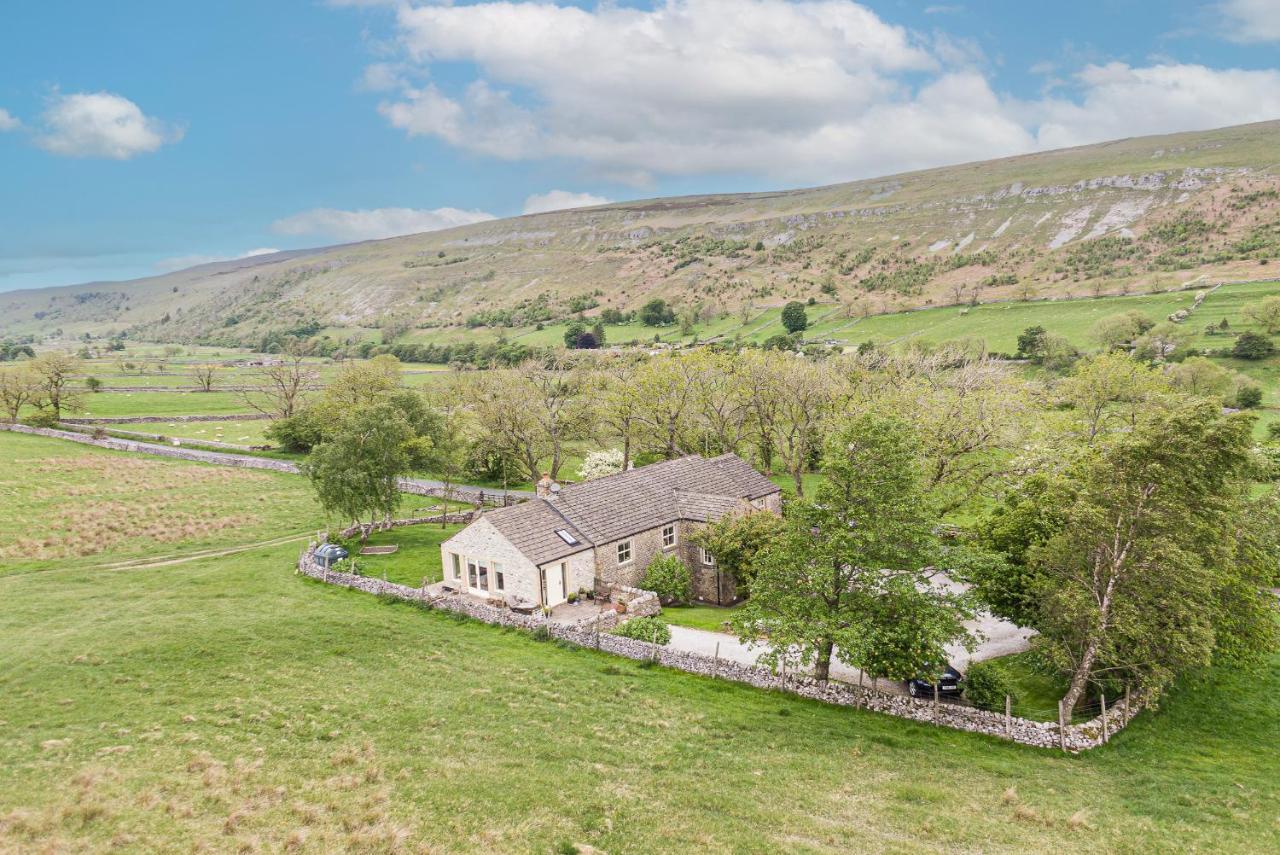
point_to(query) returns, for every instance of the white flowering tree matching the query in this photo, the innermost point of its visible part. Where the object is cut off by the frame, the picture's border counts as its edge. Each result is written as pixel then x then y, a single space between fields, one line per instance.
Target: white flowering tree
pixel 597 464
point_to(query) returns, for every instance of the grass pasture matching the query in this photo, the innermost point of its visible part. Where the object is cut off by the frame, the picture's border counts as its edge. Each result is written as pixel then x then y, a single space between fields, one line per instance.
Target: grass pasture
pixel 75 504
pixel 249 432
pixel 227 704
pixel 115 404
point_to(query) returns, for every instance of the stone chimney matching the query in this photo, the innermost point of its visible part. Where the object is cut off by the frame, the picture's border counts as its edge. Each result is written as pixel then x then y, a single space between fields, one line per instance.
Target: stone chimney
pixel 543 487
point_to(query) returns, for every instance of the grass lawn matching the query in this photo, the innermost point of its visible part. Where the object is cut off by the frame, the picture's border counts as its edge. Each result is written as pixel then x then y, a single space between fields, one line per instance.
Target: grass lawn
pixel 699 617
pixel 228 704
pixel 417 558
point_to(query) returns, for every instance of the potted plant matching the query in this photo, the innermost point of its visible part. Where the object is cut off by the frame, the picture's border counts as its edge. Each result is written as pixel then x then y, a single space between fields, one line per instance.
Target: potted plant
pixel 572 597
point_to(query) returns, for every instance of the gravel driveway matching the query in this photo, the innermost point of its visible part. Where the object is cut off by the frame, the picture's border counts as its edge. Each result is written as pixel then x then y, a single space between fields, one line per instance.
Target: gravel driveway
pixel 997 637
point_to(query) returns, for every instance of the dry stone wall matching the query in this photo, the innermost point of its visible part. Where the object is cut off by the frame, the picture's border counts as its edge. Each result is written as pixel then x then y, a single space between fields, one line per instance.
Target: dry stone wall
pixel 122 420
pixel 592 632
pixel 176 452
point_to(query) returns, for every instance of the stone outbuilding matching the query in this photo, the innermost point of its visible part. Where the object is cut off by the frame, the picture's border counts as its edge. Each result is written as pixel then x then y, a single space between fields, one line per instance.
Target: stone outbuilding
pixel 601 534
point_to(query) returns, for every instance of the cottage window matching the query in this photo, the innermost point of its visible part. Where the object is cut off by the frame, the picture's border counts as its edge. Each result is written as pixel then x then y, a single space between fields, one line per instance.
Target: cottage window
pixel 668 536
pixel 498 582
pixel 472 578
pixel 484 576
pixel 457 565
pixel 707 558
pixel 624 552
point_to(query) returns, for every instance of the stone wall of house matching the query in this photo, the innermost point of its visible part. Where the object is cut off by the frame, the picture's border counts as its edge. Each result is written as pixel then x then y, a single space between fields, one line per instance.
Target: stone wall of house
pixel 610 574
pixel 483 540
pixel 580 571
pixel 592 632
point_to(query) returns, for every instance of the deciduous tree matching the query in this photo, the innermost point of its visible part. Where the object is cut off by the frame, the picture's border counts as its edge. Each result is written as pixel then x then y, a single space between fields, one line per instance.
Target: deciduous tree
pixel 1142 582
pixel 355 472
pixel 54 374
pixel 204 376
pixel 844 577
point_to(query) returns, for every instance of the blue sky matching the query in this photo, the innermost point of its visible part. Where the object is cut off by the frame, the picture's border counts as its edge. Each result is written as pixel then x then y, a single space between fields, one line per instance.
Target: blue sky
pixel 141 136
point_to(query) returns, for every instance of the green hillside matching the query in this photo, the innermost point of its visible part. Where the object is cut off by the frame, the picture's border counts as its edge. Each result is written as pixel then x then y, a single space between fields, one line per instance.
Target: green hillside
pixel 1131 216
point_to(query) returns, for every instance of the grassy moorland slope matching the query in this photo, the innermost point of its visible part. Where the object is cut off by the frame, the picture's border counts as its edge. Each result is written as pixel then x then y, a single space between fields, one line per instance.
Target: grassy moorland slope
pixel 1131 214
pixel 226 704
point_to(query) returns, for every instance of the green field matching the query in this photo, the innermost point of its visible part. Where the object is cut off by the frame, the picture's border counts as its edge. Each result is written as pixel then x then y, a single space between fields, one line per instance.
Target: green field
pixel 159 404
pixel 226 703
pixel 249 432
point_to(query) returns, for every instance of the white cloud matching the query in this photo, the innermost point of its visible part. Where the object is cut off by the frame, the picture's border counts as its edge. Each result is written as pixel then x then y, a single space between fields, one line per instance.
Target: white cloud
pixel 1252 20
pixel 559 200
pixel 807 91
pixel 8 121
pixel 182 262
pixel 375 223
pixel 1119 100
pixel 101 124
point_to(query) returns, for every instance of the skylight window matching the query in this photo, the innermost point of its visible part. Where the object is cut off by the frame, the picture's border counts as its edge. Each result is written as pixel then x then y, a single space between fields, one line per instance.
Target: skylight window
pixel 566 537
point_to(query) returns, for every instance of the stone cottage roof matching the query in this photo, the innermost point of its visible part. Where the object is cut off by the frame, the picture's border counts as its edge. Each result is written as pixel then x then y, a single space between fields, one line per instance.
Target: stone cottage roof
pixel 617 506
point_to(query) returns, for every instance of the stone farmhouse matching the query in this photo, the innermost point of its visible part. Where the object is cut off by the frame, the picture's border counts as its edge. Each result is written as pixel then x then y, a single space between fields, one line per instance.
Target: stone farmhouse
pixel 600 535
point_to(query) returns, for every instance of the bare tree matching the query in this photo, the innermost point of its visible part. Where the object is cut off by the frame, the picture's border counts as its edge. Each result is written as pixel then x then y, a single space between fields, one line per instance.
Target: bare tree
pixel 282 386
pixel 617 405
pixel 53 374
pixel 721 399
pixel 553 392
pixel 204 376
pixel 805 394
pixel 663 387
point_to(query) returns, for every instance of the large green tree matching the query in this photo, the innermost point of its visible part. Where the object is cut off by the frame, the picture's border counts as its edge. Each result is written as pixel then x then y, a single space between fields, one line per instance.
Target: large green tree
pixel 844 577
pixel 355 471
pixel 794 319
pixel 1146 578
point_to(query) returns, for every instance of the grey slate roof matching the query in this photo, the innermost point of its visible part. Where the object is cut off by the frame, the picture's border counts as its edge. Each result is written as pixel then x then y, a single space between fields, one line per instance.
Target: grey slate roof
pixel 617 506
pixel 531 528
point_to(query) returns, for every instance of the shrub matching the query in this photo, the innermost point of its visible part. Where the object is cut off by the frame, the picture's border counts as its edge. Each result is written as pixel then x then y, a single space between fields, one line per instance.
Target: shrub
pixel 1252 345
pixel 669 578
pixel 987 683
pixel 41 419
pixel 1249 396
pixel 648 629
pixel 656 313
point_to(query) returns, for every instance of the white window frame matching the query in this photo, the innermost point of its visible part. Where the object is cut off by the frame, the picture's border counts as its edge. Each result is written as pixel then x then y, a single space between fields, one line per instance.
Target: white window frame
pixel 456 565
pixel 708 560
pixel 625 546
pixel 499 580
pixel 668 544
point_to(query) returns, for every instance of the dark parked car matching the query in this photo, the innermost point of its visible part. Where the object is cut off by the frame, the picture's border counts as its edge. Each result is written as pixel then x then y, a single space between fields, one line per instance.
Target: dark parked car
pixel 949 684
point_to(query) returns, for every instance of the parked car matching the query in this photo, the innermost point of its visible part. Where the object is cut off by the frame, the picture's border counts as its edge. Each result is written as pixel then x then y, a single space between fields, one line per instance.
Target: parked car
pixel 948 684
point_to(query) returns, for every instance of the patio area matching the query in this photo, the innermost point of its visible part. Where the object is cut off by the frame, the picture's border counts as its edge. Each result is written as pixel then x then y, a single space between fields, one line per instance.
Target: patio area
pixel 566 613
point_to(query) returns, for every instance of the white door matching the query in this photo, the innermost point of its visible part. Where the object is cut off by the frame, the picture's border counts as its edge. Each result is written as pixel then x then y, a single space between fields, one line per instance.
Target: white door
pixel 553 585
